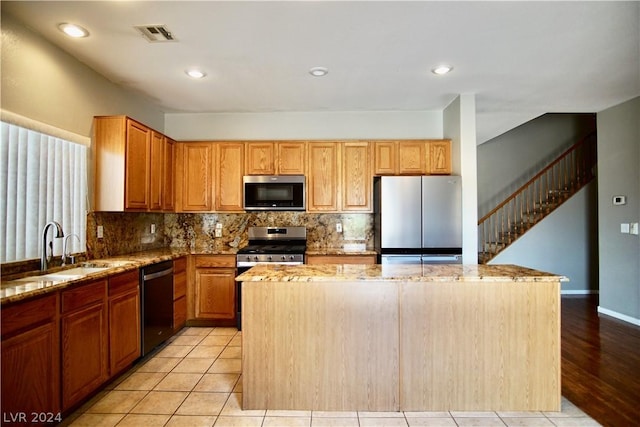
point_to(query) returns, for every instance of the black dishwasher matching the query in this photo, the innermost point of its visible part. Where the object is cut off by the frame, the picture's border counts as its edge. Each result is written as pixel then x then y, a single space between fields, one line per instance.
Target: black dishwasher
pixel 156 304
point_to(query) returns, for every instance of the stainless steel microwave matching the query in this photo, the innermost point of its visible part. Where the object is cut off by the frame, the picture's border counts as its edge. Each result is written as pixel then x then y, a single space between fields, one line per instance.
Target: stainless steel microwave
pixel 274 193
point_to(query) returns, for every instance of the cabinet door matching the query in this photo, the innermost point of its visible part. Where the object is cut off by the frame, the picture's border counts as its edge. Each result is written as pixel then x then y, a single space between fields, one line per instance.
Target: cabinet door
pixel 124 320
pixel 230 162
pixel 31 371
pixel 168 193
pixel 138 144
pixel 85 362
pixel 291 158
pixel 260 158
pixel 411 158
pixel 439 157
pixel 323 174
pixel 156 172
pixel 385 157
pixel 357 179
pixel 194 174
pixel 215 296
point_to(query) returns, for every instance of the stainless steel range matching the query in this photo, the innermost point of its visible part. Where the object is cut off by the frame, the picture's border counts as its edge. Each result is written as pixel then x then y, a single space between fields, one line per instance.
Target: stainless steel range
pixel 274 245
pixel 281 245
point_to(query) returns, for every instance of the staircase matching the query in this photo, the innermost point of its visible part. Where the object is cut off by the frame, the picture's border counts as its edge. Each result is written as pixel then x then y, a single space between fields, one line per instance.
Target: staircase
pixel 536 199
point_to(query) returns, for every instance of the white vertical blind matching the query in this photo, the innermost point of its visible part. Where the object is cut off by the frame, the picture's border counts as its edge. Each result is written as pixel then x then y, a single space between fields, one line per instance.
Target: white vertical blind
pixel 43 179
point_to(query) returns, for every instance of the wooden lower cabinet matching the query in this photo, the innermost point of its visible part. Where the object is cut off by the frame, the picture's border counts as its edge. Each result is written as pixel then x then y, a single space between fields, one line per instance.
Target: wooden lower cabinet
pixel 179 293
pixel 341 259
pixel 31 360
pixel 124 321
pixel 215 287
pixel 84 333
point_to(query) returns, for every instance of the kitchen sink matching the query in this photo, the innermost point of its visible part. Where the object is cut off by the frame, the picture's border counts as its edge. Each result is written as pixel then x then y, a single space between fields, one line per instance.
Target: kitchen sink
pixel 61 276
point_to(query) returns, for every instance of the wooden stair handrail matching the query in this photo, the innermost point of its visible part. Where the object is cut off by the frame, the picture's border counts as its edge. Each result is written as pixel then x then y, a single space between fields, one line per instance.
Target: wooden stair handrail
pixel 538 175
pixel 538 197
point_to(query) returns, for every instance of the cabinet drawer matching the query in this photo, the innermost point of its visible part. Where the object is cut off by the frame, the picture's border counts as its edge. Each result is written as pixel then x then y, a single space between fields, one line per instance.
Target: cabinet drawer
pixel 180 265
pixel 84 295
pixel 215 261
pixel 23 315
pixel 124 282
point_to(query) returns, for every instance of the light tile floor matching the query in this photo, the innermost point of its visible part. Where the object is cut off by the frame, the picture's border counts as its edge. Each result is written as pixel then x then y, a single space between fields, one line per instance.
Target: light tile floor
pixel 195 380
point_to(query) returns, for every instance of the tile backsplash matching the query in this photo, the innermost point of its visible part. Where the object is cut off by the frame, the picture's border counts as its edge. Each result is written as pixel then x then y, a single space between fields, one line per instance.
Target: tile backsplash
pixel 131 232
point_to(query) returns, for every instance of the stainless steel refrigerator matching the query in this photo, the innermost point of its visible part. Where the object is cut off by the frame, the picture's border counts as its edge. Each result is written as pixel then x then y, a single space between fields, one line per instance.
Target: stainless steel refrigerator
pixel 418 219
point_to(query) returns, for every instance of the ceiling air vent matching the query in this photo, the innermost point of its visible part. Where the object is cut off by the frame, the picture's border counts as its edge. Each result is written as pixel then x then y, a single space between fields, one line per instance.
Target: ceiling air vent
pixel 155 33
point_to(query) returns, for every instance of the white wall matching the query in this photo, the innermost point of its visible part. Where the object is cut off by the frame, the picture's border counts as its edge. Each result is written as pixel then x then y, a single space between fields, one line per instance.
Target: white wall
pixel 301 125
pixel 508 161
pixel 564 243
pixel 44 83
pixel 619 174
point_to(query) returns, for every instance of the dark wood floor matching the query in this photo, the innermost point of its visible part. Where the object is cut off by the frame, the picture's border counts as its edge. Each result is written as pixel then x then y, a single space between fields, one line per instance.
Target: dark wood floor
pixel 600 363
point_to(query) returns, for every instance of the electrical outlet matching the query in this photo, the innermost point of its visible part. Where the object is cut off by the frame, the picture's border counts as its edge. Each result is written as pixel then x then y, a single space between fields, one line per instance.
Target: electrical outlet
pixel 100 232
pixel 633 229
pixel 153 229
pixel 218 226
pixel 339 227
pixel 218 232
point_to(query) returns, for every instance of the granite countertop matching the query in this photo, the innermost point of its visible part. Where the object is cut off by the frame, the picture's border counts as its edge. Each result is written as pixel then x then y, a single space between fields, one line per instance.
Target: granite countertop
pixel 417 273
pixel 29 285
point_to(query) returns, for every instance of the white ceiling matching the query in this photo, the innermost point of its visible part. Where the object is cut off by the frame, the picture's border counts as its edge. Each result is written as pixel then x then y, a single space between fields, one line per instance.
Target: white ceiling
pixel 521 59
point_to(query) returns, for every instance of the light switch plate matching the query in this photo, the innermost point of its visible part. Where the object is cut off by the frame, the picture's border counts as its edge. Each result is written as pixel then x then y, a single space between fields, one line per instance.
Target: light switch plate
pixel 624 228
pixel 633 229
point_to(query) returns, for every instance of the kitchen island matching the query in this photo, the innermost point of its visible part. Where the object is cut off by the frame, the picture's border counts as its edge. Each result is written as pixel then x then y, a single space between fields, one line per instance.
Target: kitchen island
pixel 401 337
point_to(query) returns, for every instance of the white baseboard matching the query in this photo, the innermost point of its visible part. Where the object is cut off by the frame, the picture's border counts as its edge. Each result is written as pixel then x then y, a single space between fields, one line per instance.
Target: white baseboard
pixel 619 316
pixel 579 292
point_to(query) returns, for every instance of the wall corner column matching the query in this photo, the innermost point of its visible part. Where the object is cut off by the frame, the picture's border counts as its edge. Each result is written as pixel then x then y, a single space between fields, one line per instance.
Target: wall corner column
pixel 459 125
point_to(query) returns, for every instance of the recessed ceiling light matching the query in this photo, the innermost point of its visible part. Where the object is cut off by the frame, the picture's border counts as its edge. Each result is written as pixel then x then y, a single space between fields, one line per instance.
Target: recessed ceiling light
pixel 195 73
pixel 73 30
pixel 441 70
pixel 318 71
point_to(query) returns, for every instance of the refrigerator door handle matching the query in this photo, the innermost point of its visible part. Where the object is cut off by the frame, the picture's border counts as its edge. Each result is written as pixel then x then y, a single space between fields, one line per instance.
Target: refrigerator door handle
pixel 442 259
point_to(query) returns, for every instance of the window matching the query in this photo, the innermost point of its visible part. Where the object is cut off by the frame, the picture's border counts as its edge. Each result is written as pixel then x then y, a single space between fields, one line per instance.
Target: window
pixel 42 178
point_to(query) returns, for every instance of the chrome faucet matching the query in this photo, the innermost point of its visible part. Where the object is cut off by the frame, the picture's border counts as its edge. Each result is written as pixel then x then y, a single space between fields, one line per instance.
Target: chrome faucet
pixel 66 255
pixel 44 260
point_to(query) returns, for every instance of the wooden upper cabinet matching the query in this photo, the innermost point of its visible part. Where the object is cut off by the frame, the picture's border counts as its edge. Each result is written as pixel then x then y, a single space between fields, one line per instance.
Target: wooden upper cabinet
pixel 194 176
pixel 137 155
pixel 229 172
pixel 411 158
pixel 130 165
pixel 275 158
pixel 356 177
pixel 439 157
pixel 156 172
pixel 168 185
pixel 385 157
pixel 322 177
pixel 291 158
pixel 260 158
